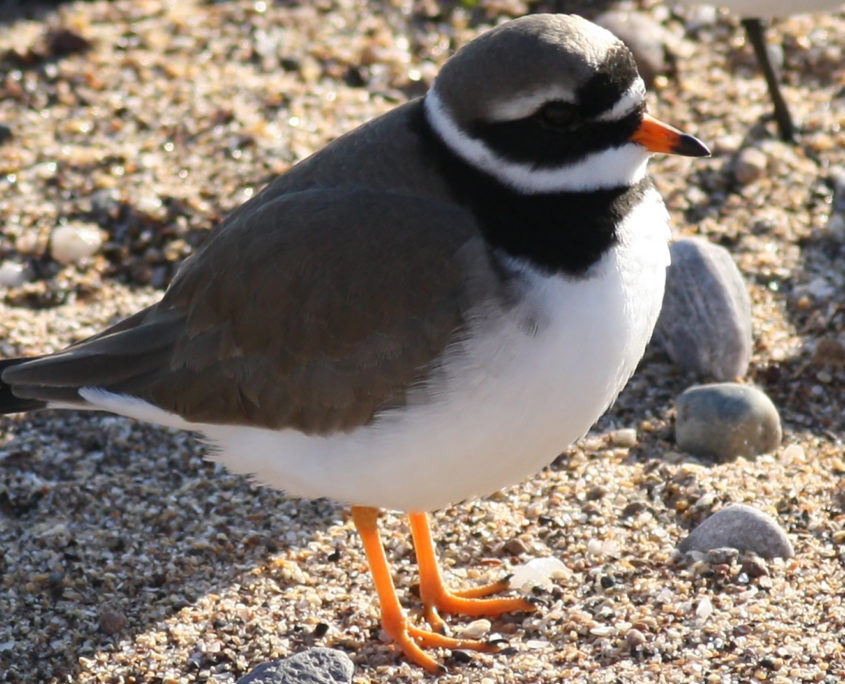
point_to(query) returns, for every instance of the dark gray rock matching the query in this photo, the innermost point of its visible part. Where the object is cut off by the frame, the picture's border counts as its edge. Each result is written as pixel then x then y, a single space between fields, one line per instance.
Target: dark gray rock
pixel 740 527
pixel 5 133
pixel 705 323
pixel 724 420
pixel 314 666
pixel 646 39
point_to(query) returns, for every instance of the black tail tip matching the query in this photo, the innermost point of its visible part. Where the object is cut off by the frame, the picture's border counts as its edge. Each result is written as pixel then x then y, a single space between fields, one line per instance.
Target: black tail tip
pixel 9 403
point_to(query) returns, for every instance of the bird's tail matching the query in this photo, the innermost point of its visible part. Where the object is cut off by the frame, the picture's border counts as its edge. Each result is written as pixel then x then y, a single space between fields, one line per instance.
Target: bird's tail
pixel 9 402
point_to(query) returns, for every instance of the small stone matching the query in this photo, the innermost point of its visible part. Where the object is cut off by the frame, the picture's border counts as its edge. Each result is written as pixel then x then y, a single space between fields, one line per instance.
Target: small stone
pixel 516 547
pixel 28 243
pixel 75 241
pixel 111 622
pixel 704 609
pixel 313 666
pixel 634 508
pixel 740 527
pixel 13 274
pixel 749 165
pixel 477 629
pixel 624 437
pixel 701 16
pixel 5 133
pixel 705 323
pixel 828 352
pixel 63 41
pixel 538 572
pixel 724 420
pixel 646 39
pixel 634 638
pixel 721 555
pixel 754 566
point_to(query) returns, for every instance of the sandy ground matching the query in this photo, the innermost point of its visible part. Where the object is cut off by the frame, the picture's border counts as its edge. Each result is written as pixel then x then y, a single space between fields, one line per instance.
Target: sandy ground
pixel 128 558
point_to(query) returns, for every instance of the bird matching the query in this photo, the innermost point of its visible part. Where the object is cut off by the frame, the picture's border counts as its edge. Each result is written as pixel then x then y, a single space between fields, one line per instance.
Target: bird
pixel 428 309
pixel 753 13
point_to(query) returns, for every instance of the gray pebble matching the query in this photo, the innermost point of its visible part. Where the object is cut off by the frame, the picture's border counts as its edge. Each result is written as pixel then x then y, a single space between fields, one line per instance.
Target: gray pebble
pixel 73 242
pixel 749 165
pixel 724 420
pixel 13 274
pixel 705 323
pixel 721 555
pixel 644 37
pixel 740 527
pixel 5 133
pixel 316 665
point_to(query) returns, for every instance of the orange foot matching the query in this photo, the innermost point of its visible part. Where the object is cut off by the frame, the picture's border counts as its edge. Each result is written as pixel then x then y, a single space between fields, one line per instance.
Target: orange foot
pixel 434 595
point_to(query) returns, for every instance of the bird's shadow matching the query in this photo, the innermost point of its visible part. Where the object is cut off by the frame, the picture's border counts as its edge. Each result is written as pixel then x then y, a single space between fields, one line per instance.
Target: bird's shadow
pixel 112 528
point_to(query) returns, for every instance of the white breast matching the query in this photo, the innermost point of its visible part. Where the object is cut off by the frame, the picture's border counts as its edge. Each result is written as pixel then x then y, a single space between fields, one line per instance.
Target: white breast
pixel 509 399
pixel 514 400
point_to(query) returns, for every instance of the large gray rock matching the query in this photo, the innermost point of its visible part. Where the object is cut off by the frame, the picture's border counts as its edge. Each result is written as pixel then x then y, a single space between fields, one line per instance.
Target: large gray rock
pixel 725 420
pixel 314 666
pixel 705 323
pixel 740 527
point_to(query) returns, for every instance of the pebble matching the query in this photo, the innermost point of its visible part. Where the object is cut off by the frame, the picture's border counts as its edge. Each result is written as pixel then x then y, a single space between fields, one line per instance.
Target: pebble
pixel 704 609
pixel 705 323
pixel 754 566
pixel 538 572
pixel 646 39
pixel 740 527
pixel 829 352
pixel 477 629
pixel 749 165
pixel 721 555
pixel 5 133
pixel 316 665
pixel 515 547
pixel 73 242
pixel 724 420
pixel 624 437
pixel 111 622
pixel 634 638
pixel 13 274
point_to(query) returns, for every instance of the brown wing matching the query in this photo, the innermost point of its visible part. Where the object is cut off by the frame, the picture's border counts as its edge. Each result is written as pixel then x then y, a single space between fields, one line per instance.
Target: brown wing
pixel 313 310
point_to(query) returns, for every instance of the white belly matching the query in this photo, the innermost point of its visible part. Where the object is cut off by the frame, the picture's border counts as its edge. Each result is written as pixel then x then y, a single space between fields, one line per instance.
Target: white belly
pixel 509 399
pixel 515 399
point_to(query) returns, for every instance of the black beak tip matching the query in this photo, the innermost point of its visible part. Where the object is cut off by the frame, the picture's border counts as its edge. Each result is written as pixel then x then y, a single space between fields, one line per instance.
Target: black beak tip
pixel 689 146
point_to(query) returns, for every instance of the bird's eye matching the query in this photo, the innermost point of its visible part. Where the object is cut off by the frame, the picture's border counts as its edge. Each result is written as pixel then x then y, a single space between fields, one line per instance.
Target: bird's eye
pixel 558 114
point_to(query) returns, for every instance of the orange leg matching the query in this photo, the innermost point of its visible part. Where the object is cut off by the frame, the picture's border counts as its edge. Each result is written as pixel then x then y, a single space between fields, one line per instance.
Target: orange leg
pixel 434 595
pixel 393 620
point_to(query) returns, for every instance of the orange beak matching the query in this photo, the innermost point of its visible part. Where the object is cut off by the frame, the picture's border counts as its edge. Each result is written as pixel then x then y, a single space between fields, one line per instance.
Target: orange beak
pixel 657 136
